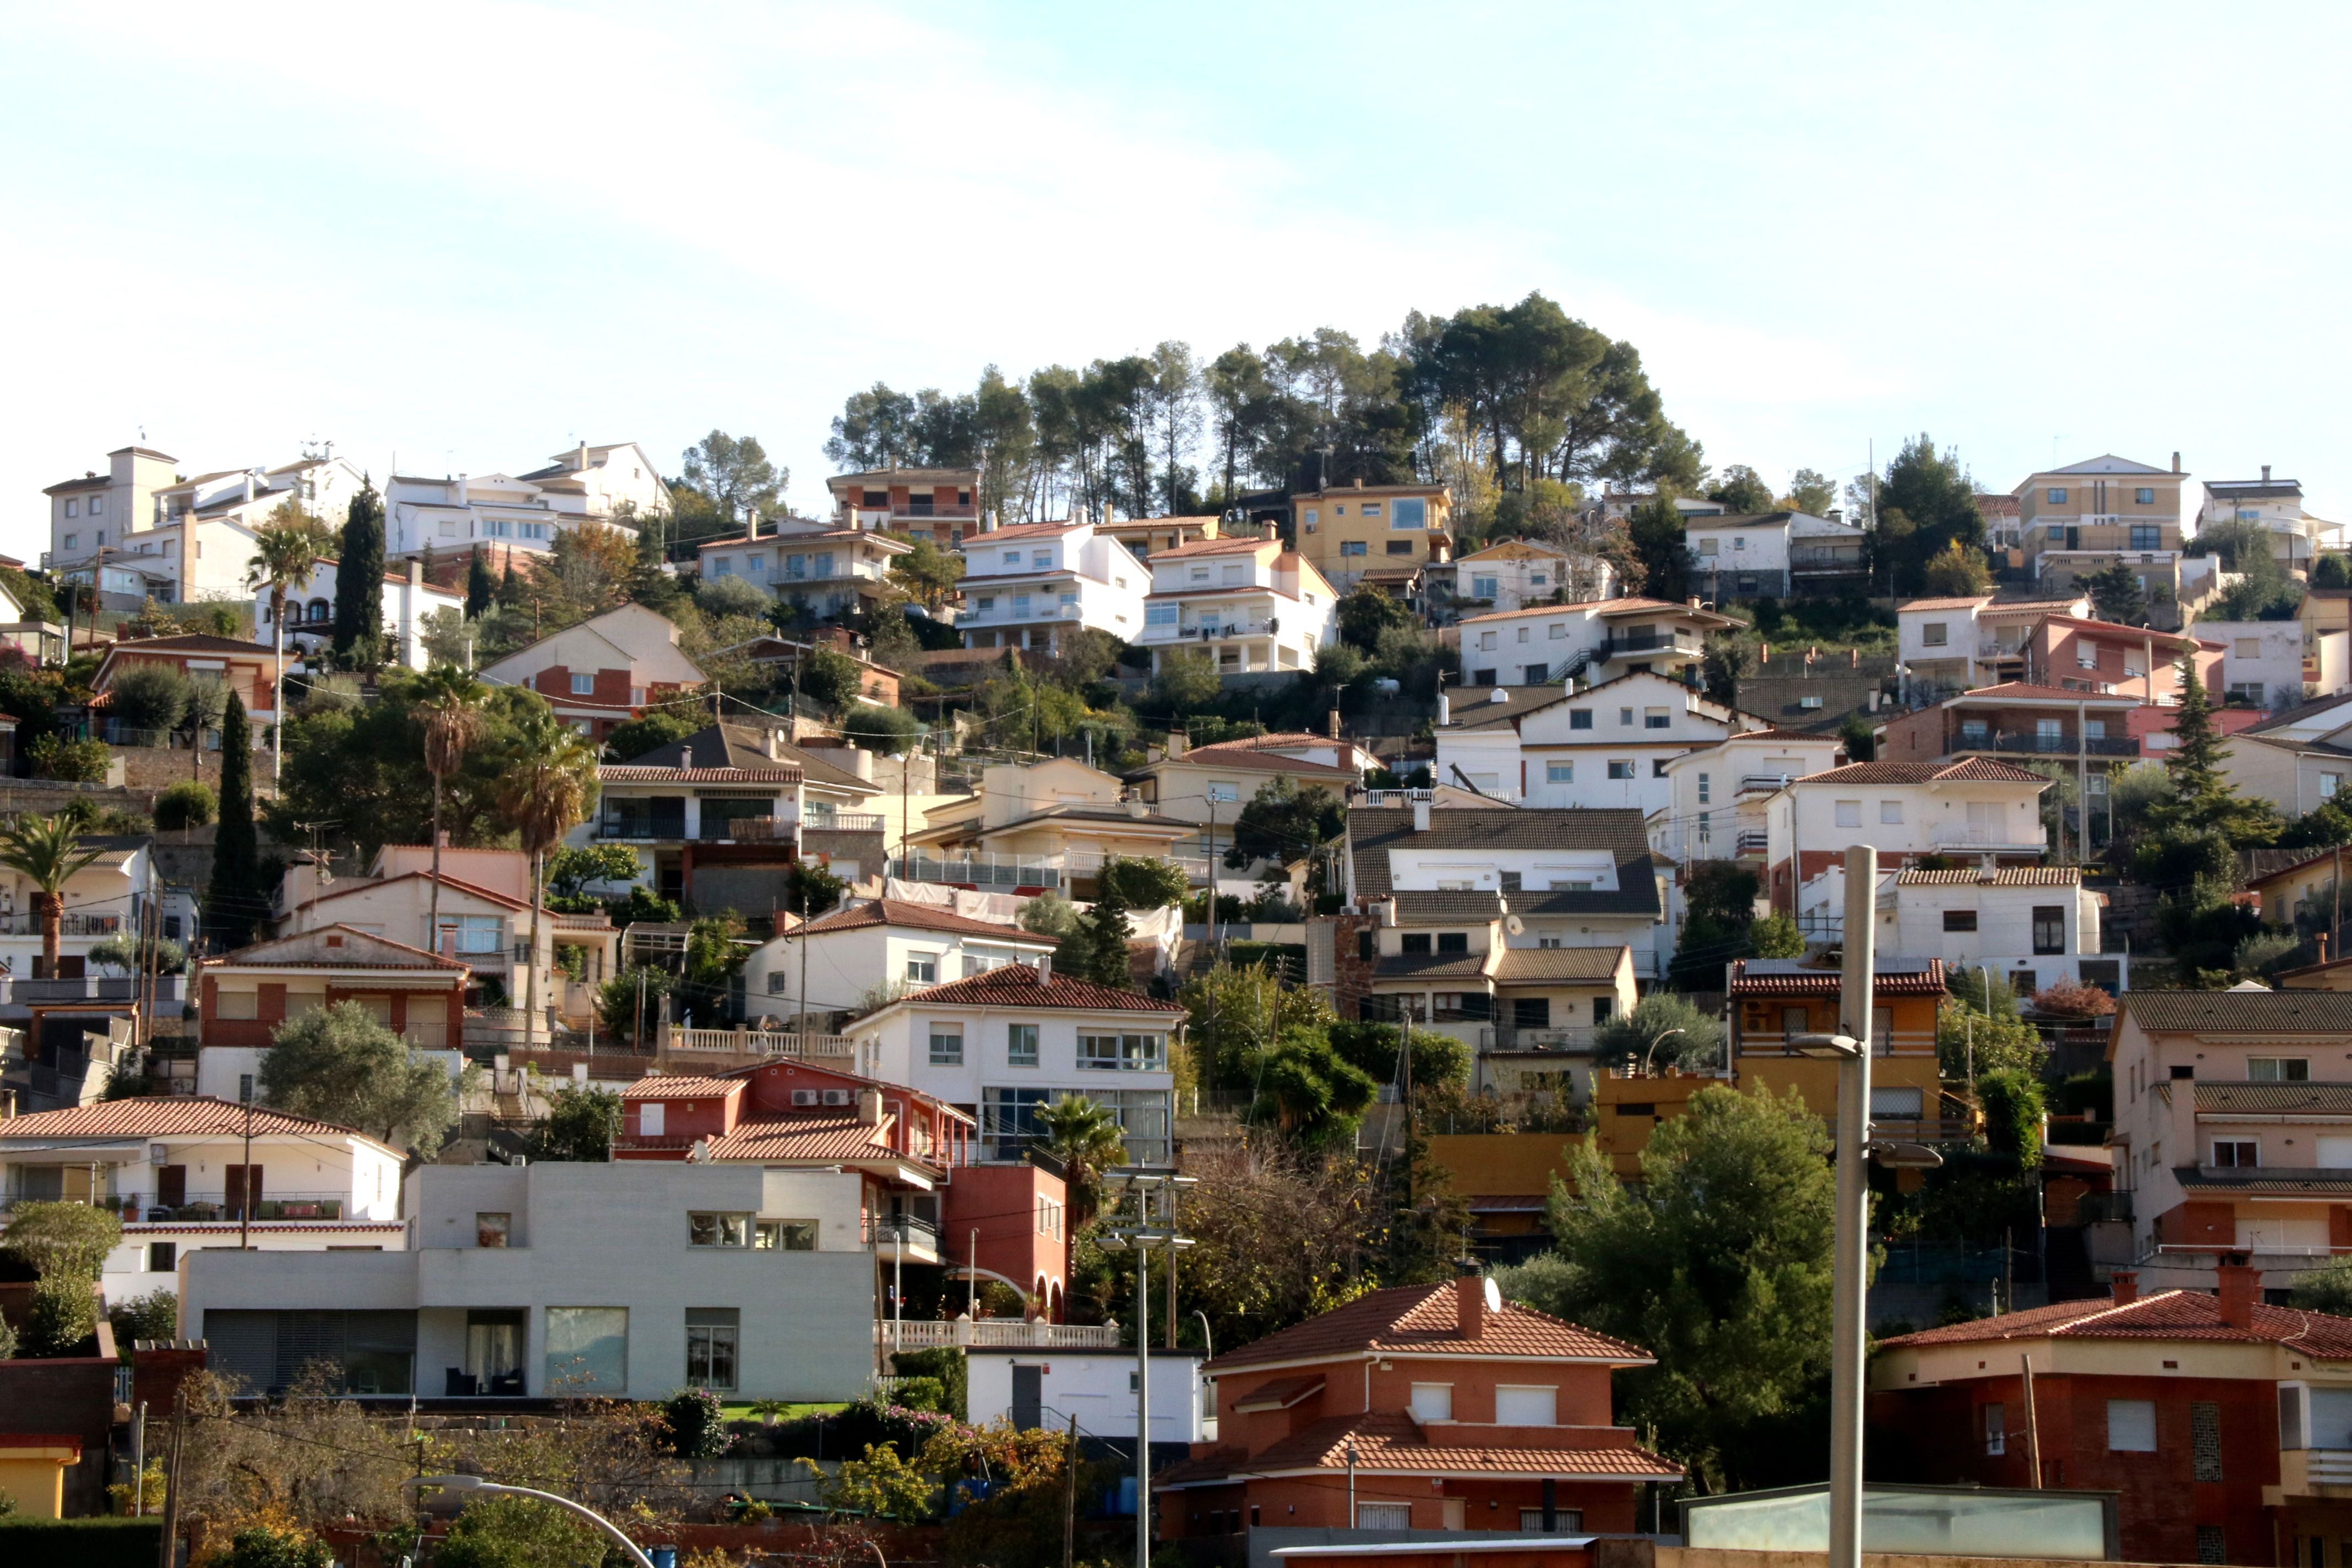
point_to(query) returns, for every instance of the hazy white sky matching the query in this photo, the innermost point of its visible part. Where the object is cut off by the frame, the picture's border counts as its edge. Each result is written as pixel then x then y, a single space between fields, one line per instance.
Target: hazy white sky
pixel 469 234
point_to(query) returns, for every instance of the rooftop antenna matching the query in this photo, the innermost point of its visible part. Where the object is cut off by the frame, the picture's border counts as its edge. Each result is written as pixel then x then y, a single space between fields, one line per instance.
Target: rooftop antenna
pixel 316 831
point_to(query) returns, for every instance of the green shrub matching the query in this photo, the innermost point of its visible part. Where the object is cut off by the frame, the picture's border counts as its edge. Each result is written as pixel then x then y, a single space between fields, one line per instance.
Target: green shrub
pixel 921 1393
pixel 697 1423
pixel 69 761
pixel 188 804
pixel 266 1546
pixel 947 1366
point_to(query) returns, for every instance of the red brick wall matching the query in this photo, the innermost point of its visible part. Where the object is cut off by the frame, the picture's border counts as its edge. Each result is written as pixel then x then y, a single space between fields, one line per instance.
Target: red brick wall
pixel 1351 975
pixel 1000 1201
pixel 2199 1224
pixel 704 1116
pixel 1321 1500
pixel 1916 737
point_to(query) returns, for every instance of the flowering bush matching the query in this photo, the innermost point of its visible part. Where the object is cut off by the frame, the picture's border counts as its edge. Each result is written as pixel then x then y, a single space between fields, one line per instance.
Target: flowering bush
pixel 697 1423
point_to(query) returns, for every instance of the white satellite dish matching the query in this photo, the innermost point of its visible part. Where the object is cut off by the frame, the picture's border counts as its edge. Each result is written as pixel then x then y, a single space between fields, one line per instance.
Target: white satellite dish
pixel 1493 1295
pixel 1513 924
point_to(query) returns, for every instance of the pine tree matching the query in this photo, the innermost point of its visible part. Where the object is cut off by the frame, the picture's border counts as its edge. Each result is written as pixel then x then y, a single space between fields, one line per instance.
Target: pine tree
pixel 1106 965
pixel 509 586
pixel 479 589
pixel 233 903
pixel 2197 832
pixel 358 580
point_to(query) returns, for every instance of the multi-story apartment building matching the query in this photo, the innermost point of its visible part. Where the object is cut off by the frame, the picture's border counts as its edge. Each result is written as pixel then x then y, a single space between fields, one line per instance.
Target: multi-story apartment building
pixel 833 963
pixel 1979 808
pixel 1034 585
pixel 1344 532
pixel 1715 794
pixel 519 515
pixel 1594 642
pixel 1959 644
pixel 1603 745
pixel 1772 556
pixel 603 671
pixel 2234 1130
pixel 826 572
pixel 1774 1000
pixel 188 539
pixel 2090 515
pixel 89 513
pixel 1520 573
pixel 1249 604
pixel 937 504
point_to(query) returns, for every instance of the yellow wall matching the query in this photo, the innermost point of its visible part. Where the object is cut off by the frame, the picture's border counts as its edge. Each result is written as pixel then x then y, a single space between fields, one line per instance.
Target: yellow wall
pixel 35 1478
pixel 1762 1061
pixel 1501 1164
pixel 1339 515
pixel 1623 1135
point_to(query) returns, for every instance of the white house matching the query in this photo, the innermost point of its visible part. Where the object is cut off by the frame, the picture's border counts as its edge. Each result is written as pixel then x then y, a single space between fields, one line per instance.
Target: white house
pixel 1978 808
pixel 520 514
pixel 1770 554
pixel 1604 745
pixel 1025 585
pixel 181 1172
pixel 1037 1389
pixel 2031 925
pixel 836 959
pixel 2261 661
pixel 822 568
pixel 1950 645
pixel 1249 604
pixel 2293 760
pixel 2297 538
pixel 1518 572
pixel 105 898
pixel 188 540
pixel 408 599
pixel 1591 642
pixel 1715 795
pixel 755 1284
pixel 603 671
pixel 1013 1039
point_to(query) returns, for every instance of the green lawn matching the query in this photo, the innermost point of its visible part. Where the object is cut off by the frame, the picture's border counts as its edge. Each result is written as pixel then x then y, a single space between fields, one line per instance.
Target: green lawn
pixel 791 1412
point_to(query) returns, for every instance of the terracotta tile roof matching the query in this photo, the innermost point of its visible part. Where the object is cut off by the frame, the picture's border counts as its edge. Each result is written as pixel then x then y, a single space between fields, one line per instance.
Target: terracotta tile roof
pixel 1431 966
pixel 194 642
pixel 1018 985
pixel 1280 1395
pixel 2241 1012
pixel 623 774
pixel 1587 964
pixel 2271 1099
pixel 1020 531
pixel 842 1136
pixel 921 917
pixel 1975 770
pixel 1211 547
pixel 681 1086
pixel 2003 877
pixel 2141 633
pixel 306 950
pixel 2171 1315
pixel 904 476
pixel 1795 977
pixel 167 1116
pixel 1389 1442
pixel 2029 691
pixel 1954 604
pixel 1405 1319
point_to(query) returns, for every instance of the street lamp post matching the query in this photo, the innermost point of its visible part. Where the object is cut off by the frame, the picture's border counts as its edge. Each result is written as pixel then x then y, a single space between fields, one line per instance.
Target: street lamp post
pixel 1155 1187
pixel 1654 1047
pixel 493 1488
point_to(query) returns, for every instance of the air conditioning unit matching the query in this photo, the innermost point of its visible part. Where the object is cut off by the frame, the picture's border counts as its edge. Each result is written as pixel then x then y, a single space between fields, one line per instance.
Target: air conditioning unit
pixel 804 1097
pixel 1809 703
pixel 838 1097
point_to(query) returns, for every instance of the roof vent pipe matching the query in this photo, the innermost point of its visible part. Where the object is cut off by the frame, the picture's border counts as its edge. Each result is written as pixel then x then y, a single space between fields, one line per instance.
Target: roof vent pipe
pixel 1421 815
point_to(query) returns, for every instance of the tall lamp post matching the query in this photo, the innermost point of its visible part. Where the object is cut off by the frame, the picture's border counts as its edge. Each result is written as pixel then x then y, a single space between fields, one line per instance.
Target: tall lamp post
pixel 1153 1230
pixel 493 1488
pixel 1850 1048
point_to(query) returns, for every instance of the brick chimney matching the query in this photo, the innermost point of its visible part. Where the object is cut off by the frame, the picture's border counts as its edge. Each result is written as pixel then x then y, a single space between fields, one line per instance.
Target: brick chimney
pixel 2125 1285
pixel 2239 1286
pixel 1470 1301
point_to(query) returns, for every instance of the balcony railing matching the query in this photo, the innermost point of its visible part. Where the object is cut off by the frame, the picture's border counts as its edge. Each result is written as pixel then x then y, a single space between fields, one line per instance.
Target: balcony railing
pixel 1752 841
pixel 1510 1037
pixel 906 1229
pixel 1635 644
pixel 1827 562
pixel 2060 745
pixel 1970 836
pixel 757 1042
pixel 1761 783
pixel 205 1208
pixel 848 822
pixel 744 830
pixel 1022 871
pixel 1006 1333
pixel 24 922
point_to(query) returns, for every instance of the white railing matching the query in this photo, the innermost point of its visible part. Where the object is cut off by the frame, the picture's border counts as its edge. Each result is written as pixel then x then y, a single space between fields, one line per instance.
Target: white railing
pixel 2328 1467
pixel 757 1042
pixel 1008 1333
pixel 1022 871
pixel 1977 837
pixel 847 822
pixel 1396 799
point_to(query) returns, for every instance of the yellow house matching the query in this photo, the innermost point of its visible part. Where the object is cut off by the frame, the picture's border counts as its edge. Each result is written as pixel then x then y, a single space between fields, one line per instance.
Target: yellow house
pixel 1774 999
pixel 1505 1179
pixel 1044 826
pixel 2303 893
pixel 1628 1104
pixel 1346 532
pixel 2088 516
pixel 1146 536
pixel 33 1468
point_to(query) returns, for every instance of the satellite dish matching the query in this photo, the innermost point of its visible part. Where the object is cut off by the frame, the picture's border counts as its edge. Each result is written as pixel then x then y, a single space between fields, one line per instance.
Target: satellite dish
pixel 1513 924
pixel 1493 1295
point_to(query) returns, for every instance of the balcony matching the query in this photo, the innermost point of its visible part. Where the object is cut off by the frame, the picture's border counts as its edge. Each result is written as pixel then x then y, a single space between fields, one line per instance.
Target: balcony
pixel 209 1208
pixel 1020 870
pixel 1006 1333
pixel 24 922
pixel 2036 744
pixel 918 1237
pixel 1972 836
pixel 1824 563
pixel 1644 644
pixel 847 822
pixel 1752 841
pixel 1215 631
pixel 744 830
pixel 1761 783
pixel 757 1042
pixel 1572 1039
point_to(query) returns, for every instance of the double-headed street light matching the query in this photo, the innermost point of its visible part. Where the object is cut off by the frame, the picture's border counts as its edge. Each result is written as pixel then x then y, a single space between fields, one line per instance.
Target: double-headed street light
pixel 1153 1230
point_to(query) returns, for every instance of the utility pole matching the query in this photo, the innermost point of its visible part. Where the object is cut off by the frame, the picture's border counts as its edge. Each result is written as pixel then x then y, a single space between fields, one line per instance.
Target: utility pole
pixel 245 1195
pixel 165 1554
pixel 1154 1186
pixel 1070 1497
pixel 1856 997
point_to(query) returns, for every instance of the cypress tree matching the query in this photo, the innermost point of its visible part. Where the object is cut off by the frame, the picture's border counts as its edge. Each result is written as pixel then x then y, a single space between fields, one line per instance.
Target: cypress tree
pixel 233 903
pixel 359 578
pixel 1106 965
pixel 479 589
pixel 511 586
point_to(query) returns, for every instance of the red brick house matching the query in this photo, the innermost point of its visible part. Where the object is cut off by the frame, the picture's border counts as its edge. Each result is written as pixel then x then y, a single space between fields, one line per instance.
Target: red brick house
pixel 247 668
pixel 2224 1424
pixel 419 996
pixel 1424 1406
pixel 928 1206
pixel 603 671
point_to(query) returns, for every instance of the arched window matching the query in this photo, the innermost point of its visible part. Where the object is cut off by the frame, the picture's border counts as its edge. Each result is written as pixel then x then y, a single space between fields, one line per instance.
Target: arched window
pixel 320 611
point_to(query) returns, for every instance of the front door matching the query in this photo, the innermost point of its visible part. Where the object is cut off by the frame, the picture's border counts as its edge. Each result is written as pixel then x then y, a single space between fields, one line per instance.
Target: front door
pixel 1028 1397
pixel 242 1184
pixel 171 1185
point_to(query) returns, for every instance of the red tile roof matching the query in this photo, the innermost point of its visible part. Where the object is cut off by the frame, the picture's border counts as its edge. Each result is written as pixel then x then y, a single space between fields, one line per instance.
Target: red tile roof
pixel 1974 770
pixel 1951 604
pixel 1792 977
pixel 1389 1442
pixel 622 773
pixel 2029 691
pixel 922 917
pixel 1421 1318
pixel 1208 547
pixel 1017 985
pixel 2169 1315
pixel 681 1086
pixel 842 1136
pixel 167 1116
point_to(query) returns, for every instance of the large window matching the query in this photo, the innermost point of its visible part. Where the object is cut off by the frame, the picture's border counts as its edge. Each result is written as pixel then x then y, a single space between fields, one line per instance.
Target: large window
pixel 473 933
pixel 2131 1425
pixel 1160 614
pixel 785 1236
pixel 947 1044
pixel 587 1348
pixel 1008 1121
pixel 2049 928
pixel 719 1230
pixel 1409 514
pixel 1021 1045
pixel 923 968
pixel 1122 1053
pixel 2278 1070
pixel 711 1337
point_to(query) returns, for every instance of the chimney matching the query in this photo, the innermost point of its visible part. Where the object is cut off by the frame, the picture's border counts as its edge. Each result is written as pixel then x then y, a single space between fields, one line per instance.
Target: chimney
pixel 685 757
pixel 1334 717
pixel 2125 1285
pixel 462 499
pixel 771 743
pixel 1178 742
pixel 249 487
pixel 580 457
pixel 1470 1301
pixel 1694 601
pixel 1139 808
pixel 1445 710
pixel 2239 1285
pixel 2266 473
pixel 1421 815
pixel 2176 462
pixel 1044 969
pixel 1360 482
pixel 869 1108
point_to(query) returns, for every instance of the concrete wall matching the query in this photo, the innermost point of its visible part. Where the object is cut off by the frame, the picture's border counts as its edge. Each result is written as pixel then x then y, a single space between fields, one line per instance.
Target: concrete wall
pixel 1096 1386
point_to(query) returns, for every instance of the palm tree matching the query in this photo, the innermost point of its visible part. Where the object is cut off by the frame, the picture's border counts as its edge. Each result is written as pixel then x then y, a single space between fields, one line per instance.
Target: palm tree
pixel 47 851
pixel 286 549
pixel 547 789
pixel 452 706
pixel 1085 1138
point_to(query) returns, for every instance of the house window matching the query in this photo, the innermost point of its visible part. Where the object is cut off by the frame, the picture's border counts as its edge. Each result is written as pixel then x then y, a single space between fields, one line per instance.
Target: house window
pixel 1399 546
pixel 2237 1153
pixel 1021 1045
pixel 947 1044
pixel 1658 767
pixel 1624 715
pixel 1531 1013
pixel 1935 634
pixel 1996 1429
pixel 786 1236
pixel 1433 1402
pixel 163 1256
pixel 1536 673
pixel 1527 1405
pixel 710 1343
pixel 1153 614
pixel 1413 941
pixel 2144 496
pixel 1224 793
pixel 1122 1053
pixel 583 686
pixel 2278 1070
pixel 2057 498
pixel 1454 941
pixel 2147 536
pixel 1354 547
pixel 719 1230
pixel 2205 1460
pixel 1560 772
pixel 2049 928
pixel 2131 1425
pixel 1309 519
pixel 73 540
pixel 1411 512
pixel 588 1347
pixel 923 968
pixel 1565 1521
pixel 1707 547
pixel 1384 1516
pixel 237 1004
pixel 1891 811
pixel 73 509
pixel 1655 719
pixel 1849 814
pixel 1579 719
pixel 492 1229
pixel 1959 919
pixel 1621 770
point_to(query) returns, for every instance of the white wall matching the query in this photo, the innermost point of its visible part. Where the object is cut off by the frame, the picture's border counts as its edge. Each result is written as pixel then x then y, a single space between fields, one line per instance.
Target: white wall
pixel 1755 549
pixel 1098 1388
pixel 843 965
pixel 2265 655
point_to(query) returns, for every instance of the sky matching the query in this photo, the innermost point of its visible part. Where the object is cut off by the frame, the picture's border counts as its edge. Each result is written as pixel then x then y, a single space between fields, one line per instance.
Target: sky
pixel 467 236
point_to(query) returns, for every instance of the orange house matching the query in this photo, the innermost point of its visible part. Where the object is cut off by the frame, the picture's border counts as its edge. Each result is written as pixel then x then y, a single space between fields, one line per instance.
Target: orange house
pixel 247 668
pixel 1418 1408
pixel 419 996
